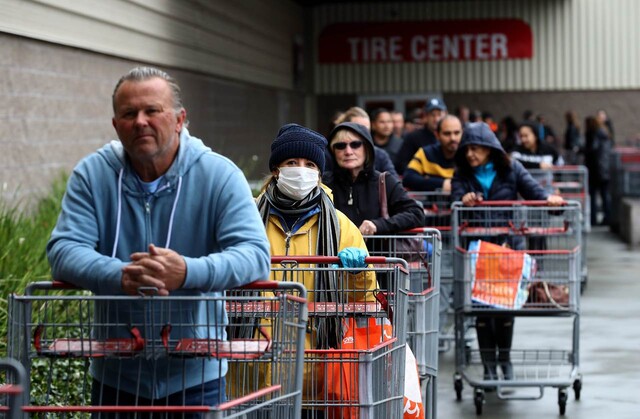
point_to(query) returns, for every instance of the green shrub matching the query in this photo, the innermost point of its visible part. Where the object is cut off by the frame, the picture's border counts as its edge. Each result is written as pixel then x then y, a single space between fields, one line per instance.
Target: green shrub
pixel 23 240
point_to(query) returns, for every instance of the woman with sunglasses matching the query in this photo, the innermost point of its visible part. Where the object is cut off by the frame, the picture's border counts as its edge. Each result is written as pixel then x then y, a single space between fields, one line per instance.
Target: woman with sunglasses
pixel 355 186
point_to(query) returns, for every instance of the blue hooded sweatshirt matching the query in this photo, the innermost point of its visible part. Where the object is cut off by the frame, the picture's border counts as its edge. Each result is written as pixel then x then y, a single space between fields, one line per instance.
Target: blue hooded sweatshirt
pixel 203 209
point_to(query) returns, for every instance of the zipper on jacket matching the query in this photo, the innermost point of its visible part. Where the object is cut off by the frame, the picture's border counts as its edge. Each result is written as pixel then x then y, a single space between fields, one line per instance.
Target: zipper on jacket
pixel 350 201
pixel 147 220
pixel 287 242
pixel 288 234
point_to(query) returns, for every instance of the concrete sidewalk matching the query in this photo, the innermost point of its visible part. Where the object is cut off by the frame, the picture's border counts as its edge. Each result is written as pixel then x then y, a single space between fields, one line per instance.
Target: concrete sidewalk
pixel 609 346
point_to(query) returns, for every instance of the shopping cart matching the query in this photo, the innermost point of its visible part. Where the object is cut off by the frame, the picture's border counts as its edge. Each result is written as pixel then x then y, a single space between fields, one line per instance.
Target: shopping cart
pixel 423 259
pixel 59 334
pixel 625 180
pixel 572 184
pixel 437 211
pixel 13 378
pixel 363 374
pixel 496 279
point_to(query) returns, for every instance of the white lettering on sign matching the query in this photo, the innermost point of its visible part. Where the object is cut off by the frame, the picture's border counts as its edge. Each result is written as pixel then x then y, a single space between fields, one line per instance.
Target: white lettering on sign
pixel 435 43
pixel 353 48
pixel 395 48
pixel 375 49
pixel 499 45
pixel 482 46
pixel 450 48
pixel 417 48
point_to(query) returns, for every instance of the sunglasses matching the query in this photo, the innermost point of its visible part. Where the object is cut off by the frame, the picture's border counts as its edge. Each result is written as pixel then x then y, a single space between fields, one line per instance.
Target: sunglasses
pixel 353 144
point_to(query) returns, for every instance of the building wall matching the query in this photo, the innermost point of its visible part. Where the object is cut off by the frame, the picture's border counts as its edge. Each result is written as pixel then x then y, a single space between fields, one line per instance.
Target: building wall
pixel 58 109
pixel 249 40
pixel 577 45
pixel 60 60
pixel 583 59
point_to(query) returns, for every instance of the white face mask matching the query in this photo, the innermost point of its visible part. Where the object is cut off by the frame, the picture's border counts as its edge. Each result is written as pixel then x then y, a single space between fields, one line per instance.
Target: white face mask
pixel 297 182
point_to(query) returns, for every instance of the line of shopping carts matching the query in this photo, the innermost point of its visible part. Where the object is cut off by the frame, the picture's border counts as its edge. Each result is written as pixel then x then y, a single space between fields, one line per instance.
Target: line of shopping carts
pixel 268 342
pixel 490 284
pixel 430 286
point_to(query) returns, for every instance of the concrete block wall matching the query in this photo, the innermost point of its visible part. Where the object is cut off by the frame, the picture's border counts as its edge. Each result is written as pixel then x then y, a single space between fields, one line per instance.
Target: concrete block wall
pixel 57 109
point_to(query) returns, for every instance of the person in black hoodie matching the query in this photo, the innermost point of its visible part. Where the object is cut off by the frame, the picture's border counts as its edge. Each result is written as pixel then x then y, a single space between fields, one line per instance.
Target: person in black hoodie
pixel 354 183
pixel 485 172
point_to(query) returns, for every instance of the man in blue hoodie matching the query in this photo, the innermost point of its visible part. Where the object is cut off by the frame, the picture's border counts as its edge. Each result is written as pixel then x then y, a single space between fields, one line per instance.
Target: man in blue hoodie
pixel 157 210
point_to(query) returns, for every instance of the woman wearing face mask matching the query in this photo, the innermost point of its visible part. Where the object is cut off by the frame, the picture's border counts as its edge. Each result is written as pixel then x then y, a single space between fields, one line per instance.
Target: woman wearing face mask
pixel 355 186
pixel 301 220
pixel 484 172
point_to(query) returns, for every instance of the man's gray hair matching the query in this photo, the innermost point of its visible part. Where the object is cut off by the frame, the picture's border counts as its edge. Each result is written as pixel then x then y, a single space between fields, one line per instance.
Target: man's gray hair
pixel 139 74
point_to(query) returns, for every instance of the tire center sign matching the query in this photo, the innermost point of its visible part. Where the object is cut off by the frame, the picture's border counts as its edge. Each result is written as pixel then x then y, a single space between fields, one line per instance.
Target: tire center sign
pixel 425 41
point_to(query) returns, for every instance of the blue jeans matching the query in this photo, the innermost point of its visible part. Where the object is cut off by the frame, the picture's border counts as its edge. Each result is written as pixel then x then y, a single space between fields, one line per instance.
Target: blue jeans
pixel 211 393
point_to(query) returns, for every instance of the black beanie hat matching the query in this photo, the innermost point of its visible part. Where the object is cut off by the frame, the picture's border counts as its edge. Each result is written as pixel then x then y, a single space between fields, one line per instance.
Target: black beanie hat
pixel 296 141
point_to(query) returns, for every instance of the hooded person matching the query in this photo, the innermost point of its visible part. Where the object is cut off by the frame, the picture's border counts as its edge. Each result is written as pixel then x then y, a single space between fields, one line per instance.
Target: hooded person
pixel 355 185
pixel 484 172
pixel 156 209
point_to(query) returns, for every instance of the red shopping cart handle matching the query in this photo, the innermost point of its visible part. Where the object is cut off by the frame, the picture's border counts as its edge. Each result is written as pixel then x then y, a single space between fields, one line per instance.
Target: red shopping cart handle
pixel 515 203
pixel 324 259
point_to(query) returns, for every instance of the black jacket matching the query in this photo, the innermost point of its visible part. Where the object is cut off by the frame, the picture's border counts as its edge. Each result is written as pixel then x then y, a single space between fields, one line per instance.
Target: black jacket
pixel 597 156
pixel 514 180
pixel 411 144
pixel 359 199
pixel 545 153
pixel 511 180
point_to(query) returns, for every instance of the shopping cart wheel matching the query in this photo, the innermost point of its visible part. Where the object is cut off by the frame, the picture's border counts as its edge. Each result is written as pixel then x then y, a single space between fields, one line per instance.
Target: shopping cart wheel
pixel 563 396
pixel 577 387
pixel 478 399
pixel 457 384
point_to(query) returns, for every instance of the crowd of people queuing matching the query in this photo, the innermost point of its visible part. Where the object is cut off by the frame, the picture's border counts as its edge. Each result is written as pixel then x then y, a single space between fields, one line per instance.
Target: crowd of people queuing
pixel 421 145
pixel 127 219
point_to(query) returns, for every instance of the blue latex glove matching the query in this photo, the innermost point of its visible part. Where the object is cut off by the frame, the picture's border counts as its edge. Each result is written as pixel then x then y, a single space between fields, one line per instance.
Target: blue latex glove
pixel 428 248
pixel 353 257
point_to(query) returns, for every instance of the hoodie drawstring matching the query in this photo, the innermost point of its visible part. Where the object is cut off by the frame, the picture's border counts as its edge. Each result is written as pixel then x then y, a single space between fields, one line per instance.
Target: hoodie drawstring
pixel 173 211
pixel 115 242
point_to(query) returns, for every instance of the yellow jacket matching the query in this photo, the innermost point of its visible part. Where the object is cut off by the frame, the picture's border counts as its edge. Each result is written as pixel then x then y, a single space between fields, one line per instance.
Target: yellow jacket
pixel 303 243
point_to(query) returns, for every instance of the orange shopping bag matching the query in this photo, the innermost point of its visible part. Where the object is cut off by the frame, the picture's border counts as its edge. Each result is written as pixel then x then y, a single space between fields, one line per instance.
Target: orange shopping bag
pixel 342 378
pixel 499 275
pixel 342 374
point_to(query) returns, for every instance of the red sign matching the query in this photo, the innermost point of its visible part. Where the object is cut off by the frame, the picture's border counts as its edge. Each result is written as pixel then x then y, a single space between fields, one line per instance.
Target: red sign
pixel 426 41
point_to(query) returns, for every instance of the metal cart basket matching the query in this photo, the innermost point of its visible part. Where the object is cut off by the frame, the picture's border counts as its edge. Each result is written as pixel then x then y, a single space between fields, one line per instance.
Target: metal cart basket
pixel 423 259
pixel 362 375
pixel 496 278
pixel 61 335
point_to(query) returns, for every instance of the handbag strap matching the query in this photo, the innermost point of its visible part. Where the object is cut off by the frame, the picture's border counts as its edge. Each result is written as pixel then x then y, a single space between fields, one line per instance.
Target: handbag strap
pixel 382 194
pixel 551 300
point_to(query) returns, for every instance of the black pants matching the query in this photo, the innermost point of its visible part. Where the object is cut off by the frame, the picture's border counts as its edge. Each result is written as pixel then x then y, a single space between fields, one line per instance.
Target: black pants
pixel 495 335
pixel 602 189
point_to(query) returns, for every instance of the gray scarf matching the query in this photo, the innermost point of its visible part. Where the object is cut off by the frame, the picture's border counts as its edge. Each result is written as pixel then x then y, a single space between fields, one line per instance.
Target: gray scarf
pixel 329 329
